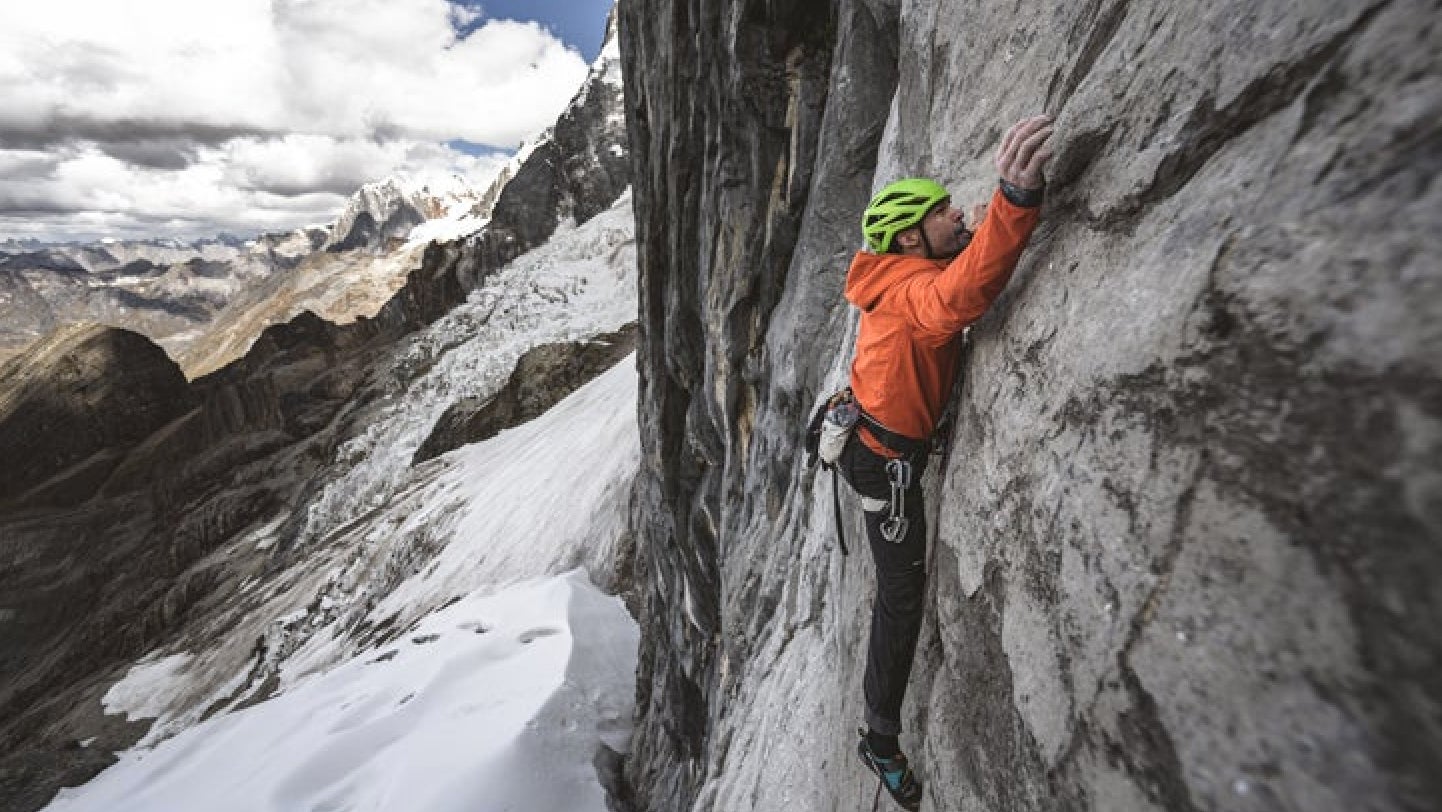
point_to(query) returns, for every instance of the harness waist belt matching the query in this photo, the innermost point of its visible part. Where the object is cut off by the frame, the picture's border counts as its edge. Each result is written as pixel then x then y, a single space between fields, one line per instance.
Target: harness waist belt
pixel 906 446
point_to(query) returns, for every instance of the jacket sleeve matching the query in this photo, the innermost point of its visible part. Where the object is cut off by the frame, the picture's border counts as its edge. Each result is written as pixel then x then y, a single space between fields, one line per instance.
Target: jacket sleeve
pixel 943 303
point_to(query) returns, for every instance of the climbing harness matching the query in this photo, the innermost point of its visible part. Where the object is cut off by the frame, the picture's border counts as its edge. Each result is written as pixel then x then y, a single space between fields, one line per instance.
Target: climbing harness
pixel 899 474
pixel 831 427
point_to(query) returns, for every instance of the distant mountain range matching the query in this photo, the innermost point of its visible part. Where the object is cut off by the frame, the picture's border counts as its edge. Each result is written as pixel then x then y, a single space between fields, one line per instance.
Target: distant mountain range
pixel 206 301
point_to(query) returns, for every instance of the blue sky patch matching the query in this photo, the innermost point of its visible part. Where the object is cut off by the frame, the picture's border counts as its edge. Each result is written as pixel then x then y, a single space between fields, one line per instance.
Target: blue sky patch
pixel 581 24
pixel 473 149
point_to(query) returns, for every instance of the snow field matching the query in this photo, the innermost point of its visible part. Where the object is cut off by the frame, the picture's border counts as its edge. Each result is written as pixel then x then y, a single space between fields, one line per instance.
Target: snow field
pixel 493 703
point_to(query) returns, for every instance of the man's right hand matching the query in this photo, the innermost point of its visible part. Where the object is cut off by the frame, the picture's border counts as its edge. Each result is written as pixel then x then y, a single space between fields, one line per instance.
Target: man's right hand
pixel 1024 153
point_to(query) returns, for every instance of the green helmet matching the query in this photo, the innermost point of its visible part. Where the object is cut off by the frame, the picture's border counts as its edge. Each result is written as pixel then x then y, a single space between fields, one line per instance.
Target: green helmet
pixel 897 207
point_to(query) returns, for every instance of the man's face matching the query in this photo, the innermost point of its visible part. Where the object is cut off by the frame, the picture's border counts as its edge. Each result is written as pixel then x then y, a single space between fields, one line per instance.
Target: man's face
pixel 946 230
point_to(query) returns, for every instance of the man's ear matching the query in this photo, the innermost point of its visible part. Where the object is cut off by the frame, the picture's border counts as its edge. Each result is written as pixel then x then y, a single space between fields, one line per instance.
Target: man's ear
pixel 908 239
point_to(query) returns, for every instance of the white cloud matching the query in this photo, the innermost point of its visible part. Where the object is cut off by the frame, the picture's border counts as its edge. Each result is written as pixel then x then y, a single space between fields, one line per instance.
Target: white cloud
pixel 245 186
pixel 171 114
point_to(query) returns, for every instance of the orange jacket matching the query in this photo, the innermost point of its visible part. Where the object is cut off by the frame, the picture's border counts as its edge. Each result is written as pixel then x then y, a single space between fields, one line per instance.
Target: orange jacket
pixel 912 312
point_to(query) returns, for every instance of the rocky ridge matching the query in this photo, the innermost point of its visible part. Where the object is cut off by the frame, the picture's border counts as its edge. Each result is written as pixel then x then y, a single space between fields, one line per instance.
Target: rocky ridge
pixel 163 289
pixel 206 301
pixel 78 400
pixel 1185 539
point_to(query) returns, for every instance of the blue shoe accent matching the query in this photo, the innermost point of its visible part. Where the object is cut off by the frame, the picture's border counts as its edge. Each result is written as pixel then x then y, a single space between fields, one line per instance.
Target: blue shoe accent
pixel 892 772
pixel 895 774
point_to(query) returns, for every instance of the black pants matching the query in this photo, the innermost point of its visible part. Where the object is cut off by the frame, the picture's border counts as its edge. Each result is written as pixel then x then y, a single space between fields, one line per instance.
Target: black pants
pixel 900 586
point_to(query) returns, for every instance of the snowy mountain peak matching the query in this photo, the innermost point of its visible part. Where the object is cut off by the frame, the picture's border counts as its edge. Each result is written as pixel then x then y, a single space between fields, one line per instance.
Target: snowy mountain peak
pixel 391 210
pixel 608 61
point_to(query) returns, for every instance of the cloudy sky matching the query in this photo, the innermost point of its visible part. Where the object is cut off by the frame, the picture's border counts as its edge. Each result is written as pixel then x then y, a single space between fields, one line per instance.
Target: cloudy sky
pixel 182 118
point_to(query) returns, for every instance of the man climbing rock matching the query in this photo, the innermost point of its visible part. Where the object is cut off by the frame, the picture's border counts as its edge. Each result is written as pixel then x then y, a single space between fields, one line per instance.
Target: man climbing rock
pixel 924 279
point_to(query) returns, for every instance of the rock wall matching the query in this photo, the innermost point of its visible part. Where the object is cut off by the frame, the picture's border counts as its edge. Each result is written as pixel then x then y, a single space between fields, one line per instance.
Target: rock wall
pixel 1187 537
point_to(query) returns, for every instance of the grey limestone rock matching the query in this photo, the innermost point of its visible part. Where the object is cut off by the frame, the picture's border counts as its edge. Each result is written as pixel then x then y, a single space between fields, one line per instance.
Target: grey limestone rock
pixel 1187 537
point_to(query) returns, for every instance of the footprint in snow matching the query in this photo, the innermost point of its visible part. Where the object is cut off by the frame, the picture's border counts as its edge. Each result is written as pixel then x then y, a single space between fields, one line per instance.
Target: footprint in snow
pixel 536 634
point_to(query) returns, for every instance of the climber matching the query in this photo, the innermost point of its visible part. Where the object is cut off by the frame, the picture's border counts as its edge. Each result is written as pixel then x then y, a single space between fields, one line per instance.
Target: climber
pixel 924 279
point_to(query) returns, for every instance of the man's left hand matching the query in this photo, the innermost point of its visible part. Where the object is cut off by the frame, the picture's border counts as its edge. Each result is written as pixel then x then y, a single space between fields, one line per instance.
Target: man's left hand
pixel 1024 153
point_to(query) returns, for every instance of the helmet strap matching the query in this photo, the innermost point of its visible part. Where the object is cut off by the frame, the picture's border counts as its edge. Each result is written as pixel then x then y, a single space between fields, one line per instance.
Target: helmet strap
pixel 926 243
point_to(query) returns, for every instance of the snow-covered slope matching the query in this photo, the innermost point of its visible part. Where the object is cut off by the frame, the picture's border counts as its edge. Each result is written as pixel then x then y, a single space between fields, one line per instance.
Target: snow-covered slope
pixel 322 684
pixel 581 283
pixel 495 702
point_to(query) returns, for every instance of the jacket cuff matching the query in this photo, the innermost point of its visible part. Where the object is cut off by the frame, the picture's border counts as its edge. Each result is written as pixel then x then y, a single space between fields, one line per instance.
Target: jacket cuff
pixel 1025 198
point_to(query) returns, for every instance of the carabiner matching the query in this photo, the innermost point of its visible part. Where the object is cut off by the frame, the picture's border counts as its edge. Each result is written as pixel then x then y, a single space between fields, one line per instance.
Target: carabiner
pixel 894 529
pixel 899 472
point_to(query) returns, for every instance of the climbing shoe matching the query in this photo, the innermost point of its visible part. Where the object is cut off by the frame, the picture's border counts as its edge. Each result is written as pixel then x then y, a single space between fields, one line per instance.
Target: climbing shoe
pixel 895 774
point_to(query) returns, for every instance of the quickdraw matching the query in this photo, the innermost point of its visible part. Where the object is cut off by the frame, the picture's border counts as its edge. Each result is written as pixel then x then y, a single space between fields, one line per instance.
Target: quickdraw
pixel 895 525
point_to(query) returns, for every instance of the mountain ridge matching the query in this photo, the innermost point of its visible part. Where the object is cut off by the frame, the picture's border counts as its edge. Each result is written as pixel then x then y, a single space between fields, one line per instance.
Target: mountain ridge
pixel 204 301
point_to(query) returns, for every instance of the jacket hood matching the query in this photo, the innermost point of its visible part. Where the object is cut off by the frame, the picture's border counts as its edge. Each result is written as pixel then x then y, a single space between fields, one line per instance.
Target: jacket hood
pixel 871 275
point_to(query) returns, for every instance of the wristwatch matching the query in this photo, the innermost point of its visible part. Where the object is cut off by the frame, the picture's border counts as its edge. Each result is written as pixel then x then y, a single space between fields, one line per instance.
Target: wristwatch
pixel 1026 198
